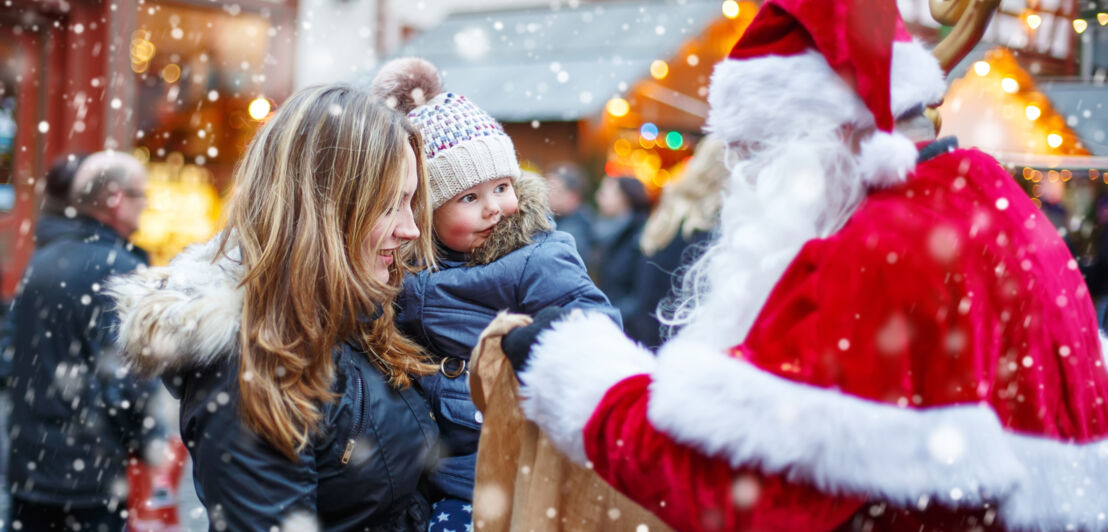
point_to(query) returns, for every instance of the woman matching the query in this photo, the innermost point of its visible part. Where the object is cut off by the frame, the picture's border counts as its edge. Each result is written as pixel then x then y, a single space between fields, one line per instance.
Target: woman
pixel 677 232
pixel 617 261
pixel 278 335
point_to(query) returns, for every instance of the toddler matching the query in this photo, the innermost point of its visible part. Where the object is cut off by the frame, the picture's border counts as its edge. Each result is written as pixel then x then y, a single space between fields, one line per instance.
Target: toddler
pixel 497 250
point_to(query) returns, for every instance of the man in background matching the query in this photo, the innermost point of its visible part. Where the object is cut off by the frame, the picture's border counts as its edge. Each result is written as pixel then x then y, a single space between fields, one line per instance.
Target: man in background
pixel 567 189
pixel 51 222
pixel 77 414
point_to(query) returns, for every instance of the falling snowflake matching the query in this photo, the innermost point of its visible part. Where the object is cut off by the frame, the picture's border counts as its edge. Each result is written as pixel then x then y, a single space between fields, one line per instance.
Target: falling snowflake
pixel 300 522
pixel 745 491
pixel 490 500
pixel 946 445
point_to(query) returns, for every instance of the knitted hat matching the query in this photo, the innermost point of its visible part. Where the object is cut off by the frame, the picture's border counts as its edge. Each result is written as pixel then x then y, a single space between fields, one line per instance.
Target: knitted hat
pixel 463 145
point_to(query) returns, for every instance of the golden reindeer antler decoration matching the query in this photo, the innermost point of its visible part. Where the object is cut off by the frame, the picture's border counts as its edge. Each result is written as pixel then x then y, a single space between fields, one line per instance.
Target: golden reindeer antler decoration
pixel 969 18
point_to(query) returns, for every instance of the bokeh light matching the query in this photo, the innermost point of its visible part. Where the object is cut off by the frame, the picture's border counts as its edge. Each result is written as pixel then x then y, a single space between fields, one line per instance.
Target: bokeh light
pixel 259 108
pixel 730 9
pixel 618 107
pixel 659 69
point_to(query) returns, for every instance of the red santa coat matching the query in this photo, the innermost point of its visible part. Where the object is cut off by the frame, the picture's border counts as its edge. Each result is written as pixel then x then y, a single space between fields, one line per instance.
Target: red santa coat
pixel 935 364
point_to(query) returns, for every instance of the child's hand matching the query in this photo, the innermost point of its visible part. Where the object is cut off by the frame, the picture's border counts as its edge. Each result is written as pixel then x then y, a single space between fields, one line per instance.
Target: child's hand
pixel 518 342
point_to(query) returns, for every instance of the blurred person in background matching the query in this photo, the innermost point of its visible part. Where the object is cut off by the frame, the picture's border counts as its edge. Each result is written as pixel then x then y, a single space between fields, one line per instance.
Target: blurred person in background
pixel 77 413
pixel 1096 272
pixel 51 223
pixel 677 232
pixel 567 191
pixel 53 219
pixel 616 259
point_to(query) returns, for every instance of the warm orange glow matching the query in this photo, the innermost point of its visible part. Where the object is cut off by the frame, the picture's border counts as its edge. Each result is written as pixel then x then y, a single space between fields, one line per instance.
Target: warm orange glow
pixel 982 68
pixel 1080 25
pixel 1033 112
pixel 171 73
pixel 1010 85
pixel 622 147
pixel 1033 21
pixel 1054 140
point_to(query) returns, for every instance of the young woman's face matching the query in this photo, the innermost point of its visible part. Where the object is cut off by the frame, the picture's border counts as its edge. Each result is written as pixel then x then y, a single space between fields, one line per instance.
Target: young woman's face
pixel 465 221
pixel 396 226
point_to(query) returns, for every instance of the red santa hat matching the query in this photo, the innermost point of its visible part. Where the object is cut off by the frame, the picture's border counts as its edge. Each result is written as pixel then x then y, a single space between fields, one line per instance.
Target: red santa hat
pixel 839 61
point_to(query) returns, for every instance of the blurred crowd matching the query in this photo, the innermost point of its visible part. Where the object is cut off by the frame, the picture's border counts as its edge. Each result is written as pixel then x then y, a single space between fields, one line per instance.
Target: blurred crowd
pixel 636 250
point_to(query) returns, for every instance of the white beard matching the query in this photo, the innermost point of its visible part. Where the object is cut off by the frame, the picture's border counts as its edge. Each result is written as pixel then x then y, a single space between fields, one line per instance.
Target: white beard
pixel 779 197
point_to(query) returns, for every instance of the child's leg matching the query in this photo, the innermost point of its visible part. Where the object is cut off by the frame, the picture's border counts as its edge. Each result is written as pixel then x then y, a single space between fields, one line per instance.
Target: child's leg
pixel 451 514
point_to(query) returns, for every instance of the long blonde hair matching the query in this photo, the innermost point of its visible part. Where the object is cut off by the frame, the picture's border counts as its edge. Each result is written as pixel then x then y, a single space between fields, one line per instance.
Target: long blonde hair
pixel 692 202
pixel 314 181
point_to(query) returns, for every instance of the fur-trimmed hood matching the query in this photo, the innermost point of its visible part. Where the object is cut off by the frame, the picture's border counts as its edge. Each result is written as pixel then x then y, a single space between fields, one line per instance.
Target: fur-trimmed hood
pixel 181 315
pixel 515 231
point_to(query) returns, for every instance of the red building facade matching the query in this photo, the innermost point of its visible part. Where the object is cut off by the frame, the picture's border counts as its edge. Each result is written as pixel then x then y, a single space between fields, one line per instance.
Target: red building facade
pixel 169 81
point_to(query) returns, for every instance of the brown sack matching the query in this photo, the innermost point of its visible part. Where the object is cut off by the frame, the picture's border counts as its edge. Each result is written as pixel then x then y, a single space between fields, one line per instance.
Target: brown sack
pixel 524 483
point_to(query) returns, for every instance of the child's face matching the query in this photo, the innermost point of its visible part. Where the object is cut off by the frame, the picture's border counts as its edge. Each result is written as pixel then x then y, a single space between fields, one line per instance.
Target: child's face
pixel 465 221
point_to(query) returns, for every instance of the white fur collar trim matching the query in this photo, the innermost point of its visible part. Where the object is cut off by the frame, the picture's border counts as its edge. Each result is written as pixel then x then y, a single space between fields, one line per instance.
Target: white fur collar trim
pixel 186 313
pixel 959 456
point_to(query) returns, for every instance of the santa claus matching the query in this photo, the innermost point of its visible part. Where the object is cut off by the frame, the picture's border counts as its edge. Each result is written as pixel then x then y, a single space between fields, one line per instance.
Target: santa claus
pixel 882 337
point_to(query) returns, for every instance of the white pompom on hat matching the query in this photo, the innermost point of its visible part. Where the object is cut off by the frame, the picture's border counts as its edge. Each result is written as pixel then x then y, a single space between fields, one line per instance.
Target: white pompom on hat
pixel 464 146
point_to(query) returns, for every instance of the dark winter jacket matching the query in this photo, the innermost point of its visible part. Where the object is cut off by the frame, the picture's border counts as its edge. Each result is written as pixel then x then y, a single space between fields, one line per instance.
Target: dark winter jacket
pixel 48 227
pixel 616 262
pixel 658 278
pixel 446 310
pixel 362 471
pixel 77 414
pixel 579 225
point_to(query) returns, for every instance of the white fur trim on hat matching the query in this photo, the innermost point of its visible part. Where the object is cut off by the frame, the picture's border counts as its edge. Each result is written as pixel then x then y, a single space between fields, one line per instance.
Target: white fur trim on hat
pixel 916 77
pixel 471 163
pixel 771 96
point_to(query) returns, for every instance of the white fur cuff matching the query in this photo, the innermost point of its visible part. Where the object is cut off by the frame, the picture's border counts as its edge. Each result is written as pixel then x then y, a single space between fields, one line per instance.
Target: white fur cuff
pixel 958 455
pixel 570 369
